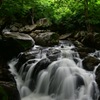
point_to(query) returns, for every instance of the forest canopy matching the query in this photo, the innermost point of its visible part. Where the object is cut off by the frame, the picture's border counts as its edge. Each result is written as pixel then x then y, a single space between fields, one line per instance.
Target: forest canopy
pixel 70 14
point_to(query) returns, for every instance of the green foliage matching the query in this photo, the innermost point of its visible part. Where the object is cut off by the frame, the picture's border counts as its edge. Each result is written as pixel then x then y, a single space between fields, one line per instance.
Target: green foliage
pixel 69 14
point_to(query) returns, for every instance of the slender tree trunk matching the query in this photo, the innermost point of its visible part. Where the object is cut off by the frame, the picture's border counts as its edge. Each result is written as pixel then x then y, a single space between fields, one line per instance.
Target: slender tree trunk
pixel 32 16
pixel 87 16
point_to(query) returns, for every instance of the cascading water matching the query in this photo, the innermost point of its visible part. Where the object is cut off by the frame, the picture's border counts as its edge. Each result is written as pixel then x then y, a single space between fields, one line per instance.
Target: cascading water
pixel 62 79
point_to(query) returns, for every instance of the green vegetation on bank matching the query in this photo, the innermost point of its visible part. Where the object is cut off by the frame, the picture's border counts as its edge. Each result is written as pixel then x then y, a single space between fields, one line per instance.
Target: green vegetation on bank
pixel 64 14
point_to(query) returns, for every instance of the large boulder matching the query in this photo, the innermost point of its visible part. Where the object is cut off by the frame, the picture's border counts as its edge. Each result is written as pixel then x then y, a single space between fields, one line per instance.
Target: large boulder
pixel 13 43
pixel 8 91
pixel 97 41
pixel 43 23
pixel 89 63
pixel 8 87
pixel 89 40
pixel 46 38
pixel 15 27
pixel 28 28
pixel 97 73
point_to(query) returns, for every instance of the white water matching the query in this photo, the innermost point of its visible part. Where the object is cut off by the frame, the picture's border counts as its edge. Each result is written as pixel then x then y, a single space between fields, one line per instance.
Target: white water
pixel 62 80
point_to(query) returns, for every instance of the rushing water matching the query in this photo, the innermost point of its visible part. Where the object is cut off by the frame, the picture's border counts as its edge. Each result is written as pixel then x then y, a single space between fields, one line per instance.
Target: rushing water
pixel 63 79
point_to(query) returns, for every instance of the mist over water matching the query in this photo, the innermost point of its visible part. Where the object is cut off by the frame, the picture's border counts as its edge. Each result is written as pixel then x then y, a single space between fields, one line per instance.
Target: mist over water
pixel 63 79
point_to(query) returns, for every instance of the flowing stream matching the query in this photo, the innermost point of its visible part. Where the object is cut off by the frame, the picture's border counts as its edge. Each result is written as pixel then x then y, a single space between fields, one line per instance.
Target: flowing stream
pixel 55 73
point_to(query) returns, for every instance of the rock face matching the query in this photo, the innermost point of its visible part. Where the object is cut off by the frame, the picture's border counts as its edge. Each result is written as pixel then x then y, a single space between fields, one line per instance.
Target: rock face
pixel 89 63
pixel 98 76
pixel 91 40
pixel 13 43
pixel 46 38
pixel 8 87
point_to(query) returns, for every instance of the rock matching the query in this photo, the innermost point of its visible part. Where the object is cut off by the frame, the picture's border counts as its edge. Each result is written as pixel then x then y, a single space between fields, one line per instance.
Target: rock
pixel 42 64
pixel 28 28
pixel 97 41
pixel 15 27
pixel 78 44
pixel 14 43
pixel 83 54
pixel 46 38
pixel 40 31
pixel 43 23
pixel 53 54
pixel 97 73
pixel 25 56
pixel 8 87
pixel 65 36
pixel 79 36
pixel 83 51
pixel 8 91
pixel 90 62
pixel 89 40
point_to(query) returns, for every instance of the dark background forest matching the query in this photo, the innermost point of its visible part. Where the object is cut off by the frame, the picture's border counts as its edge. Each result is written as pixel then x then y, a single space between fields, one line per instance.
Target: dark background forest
pixel 66 15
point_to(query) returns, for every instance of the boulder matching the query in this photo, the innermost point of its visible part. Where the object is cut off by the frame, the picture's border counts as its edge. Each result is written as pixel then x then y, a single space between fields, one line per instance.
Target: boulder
pixel 65 36
pixel 15 27
pixel 89 40
pixel 97 41
pixel 28 28
pixel 8 91
pixel 46 38
pixel 80 35
pixel 8 87
pixel 89 63
pixel 43 23
pixel 97 73
pixel 84 51
pixel 25 56
pixel 53 54
pixel 14 43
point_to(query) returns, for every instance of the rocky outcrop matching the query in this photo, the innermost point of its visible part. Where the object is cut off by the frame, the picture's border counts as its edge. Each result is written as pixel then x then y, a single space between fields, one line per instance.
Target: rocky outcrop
pixel 8 87
pixel 12 44
pixel 46 38
pixel 90 63
pixel 28 28
pixel 97 73
pixel 42 24
pixel 91 40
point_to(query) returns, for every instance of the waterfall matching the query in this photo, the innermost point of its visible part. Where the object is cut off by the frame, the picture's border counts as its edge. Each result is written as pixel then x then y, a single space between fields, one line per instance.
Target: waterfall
pixel 56 73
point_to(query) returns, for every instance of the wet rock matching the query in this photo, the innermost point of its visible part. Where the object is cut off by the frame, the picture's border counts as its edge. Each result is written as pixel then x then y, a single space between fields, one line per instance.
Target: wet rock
pixel 8 91
pixel 42 64
pixel 84 51
pixel 90 62
pixel 97 41
pixel 46 38
pixel 14 43
pixel 53 54
pixel 25 56
pixel 97 73
pixel 8 87
pixel 83 54
pixel 89 40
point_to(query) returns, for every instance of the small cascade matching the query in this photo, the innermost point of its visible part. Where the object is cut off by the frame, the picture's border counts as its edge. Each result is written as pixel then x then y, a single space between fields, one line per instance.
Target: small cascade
pixel 56 73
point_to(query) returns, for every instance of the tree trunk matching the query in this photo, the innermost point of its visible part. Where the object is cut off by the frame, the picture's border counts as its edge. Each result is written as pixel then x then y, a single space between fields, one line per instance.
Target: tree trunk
pixel 88 26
